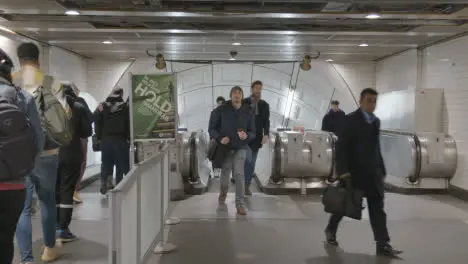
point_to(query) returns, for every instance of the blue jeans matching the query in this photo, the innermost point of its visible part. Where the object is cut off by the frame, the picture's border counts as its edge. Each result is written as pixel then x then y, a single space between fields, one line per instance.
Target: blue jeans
pixel 249 167
pixel 43 179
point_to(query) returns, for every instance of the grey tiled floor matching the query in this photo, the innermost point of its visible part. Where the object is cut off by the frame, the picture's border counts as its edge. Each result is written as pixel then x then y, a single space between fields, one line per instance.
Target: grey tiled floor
pixel 283 230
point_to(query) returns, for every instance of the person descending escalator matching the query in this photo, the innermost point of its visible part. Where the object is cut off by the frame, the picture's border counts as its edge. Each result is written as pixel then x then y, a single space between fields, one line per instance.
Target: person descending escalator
pixel 334 119
pixel 216 169
pixel 359 162
pixel 261 111
pixel 233 127
pixel 112 128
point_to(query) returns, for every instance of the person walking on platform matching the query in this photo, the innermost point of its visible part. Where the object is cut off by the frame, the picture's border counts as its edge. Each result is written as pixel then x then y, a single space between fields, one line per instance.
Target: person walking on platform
pixel 219 102
pixel 358 156
pixel 113 130
pixel 334 119
pixel 84 142
pixel 13 186
pixel 70 160
pixel 44 176
pixel 261 111
pixel 233 127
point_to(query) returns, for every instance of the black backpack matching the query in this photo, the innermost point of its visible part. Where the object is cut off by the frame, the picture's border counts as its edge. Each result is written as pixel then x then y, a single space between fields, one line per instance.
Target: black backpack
pixel 114 117
pixel 17 145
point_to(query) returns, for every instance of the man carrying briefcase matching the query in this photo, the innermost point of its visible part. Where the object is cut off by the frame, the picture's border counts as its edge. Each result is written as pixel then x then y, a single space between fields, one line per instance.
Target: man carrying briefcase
pixel 358 156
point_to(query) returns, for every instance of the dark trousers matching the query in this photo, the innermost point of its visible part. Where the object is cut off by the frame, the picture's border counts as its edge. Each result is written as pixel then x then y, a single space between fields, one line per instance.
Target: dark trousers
pixel 68 174
pixel 11 205
pixel 116 152
pixel 377 217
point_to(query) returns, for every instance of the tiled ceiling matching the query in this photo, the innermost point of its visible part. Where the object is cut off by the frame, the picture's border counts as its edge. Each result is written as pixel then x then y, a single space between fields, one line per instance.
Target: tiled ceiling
pixel 271 29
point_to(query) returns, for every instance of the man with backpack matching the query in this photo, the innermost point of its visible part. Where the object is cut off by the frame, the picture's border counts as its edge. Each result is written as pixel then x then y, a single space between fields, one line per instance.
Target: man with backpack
pixel 55 125
pixel 22 140
pixel 112 128
pixel 70 160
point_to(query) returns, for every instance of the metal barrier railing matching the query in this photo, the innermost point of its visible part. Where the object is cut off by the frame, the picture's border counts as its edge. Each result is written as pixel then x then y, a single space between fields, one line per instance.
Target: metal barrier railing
pixel 138 209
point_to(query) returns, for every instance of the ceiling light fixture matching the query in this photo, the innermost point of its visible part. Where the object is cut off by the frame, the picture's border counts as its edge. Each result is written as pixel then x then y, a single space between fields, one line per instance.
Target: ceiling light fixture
pixel 236 44
pixel 107 42
pixel 72 13
pixel 330 60
pixel 232 59
pixel 363 45
pixel 373 16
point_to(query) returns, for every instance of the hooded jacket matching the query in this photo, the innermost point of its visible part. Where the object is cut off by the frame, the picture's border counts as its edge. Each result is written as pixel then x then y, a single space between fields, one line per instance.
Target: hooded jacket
pixel 114 120
pixel 81 128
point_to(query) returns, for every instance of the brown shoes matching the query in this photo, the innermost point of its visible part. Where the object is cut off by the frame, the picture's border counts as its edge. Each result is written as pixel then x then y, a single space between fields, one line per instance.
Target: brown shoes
pixel 241 210
pixel 222 196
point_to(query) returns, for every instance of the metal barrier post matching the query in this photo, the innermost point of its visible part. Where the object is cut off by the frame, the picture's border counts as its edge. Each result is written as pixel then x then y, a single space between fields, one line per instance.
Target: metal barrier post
pixel 115 227
pixel 163 247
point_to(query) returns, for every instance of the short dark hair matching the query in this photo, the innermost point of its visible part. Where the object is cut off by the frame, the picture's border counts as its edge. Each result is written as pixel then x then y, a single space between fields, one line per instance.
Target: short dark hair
pixel 335 102
pixel 28 52
pixel 257 82
pixel 220 98
pixel 236 88
pixel 368 91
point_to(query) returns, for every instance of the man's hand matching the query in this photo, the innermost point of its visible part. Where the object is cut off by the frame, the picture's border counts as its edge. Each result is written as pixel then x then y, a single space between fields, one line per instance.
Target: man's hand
pixel 225 140
pixel 344 176
pixel 264 140
pixel 242 135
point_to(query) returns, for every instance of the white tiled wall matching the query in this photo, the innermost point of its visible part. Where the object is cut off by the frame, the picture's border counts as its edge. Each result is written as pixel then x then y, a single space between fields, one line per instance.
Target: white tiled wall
pixel 398 72
pixel 443 66
pixel 356 76
pixel 102 76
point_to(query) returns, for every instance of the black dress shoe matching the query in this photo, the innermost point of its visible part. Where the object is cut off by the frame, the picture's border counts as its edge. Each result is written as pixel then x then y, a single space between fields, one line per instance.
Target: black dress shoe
pixel 387 250
pixel 331 238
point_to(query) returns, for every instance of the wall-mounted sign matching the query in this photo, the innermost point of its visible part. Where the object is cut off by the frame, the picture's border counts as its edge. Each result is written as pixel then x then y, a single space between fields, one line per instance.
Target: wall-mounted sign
pixel 154 106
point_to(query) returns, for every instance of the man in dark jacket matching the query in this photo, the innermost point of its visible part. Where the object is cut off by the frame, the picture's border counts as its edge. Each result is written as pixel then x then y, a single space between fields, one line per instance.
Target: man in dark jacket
pixel 219 102
pixel 261 111
pixel 70 159
pixel 358 156
pixel 334 119
pixel 232 126
pixel 113 130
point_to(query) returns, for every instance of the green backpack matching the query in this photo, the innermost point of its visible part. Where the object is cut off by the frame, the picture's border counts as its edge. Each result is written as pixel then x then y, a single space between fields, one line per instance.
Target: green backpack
pixel 54 118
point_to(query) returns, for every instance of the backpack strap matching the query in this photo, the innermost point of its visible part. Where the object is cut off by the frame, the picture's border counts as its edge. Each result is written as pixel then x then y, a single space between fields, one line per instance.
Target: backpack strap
pixel 47 83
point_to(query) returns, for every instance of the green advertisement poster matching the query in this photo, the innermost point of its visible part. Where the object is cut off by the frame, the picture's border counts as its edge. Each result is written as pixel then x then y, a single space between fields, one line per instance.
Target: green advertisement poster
pixel 154 106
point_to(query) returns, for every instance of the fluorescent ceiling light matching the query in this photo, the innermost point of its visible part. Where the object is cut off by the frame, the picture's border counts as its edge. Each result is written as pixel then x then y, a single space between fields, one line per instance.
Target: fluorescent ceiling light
pixel 363 45
pixel 236 44
pixel 107 42
pixel 7 30
pixel 72 13
pixel 373 16
pixel 330 60
pixel 232 59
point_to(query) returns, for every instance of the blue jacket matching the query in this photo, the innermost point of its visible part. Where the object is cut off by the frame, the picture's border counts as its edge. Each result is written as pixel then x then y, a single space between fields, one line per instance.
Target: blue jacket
pixel 226 120
pixel 26 103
